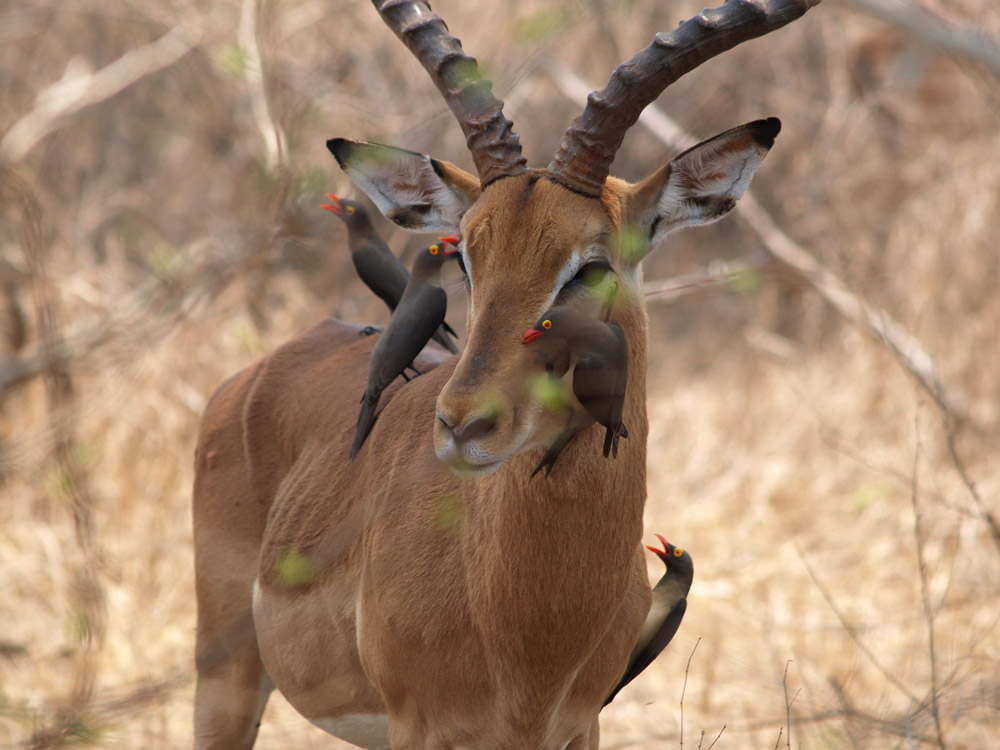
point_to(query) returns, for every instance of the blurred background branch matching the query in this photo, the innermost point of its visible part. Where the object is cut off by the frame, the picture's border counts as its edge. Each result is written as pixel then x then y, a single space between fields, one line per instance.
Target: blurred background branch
pixel 82 87
pixel 962 40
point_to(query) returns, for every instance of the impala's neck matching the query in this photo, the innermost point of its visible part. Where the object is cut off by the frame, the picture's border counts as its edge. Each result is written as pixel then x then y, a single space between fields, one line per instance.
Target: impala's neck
pixel 565 542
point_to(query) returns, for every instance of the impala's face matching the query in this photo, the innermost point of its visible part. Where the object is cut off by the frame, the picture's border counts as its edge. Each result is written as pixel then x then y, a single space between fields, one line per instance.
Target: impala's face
pixel 527 243
pixel 530 243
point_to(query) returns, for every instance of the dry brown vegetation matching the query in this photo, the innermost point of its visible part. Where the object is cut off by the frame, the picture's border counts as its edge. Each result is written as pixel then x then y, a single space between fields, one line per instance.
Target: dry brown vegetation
pixel 156 239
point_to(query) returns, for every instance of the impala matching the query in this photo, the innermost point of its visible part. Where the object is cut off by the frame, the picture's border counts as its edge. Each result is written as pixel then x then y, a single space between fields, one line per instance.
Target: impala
pixel 429 594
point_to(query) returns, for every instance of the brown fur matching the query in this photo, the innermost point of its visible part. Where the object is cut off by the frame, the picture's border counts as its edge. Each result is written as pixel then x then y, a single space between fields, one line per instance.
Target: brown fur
pixel 477 611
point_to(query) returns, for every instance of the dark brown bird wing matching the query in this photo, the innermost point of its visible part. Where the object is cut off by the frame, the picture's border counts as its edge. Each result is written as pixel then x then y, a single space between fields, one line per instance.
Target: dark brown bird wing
pixel 599 381
pixel 386 275
pixel 381 271
pixel 412 325
pixel 443 336
pixel 644 657
pixel 419 313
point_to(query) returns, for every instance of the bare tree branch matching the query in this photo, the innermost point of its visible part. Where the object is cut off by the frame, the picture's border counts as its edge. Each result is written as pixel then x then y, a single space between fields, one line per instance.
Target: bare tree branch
pixel 253 71
pixel 956 39
pixel 80 88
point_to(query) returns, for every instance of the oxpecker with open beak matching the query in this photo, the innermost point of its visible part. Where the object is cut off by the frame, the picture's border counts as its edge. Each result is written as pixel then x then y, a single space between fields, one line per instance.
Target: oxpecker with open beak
pixel 665 614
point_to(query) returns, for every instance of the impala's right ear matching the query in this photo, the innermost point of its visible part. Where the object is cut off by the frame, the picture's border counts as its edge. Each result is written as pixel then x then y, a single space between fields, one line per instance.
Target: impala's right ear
pixel 410 189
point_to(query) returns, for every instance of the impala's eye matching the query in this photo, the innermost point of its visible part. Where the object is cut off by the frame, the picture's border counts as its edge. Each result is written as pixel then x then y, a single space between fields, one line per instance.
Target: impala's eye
pixel 590 274
pixel 461 264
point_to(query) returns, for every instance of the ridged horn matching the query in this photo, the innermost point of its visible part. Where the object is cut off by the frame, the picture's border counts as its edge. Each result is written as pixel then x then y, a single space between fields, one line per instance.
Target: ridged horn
pixel 494 145
pixel 583 160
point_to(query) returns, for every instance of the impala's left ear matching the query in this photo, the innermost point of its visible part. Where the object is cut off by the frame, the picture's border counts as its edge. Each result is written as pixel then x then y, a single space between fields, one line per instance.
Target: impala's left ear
pixel 410 189
pixel 702 184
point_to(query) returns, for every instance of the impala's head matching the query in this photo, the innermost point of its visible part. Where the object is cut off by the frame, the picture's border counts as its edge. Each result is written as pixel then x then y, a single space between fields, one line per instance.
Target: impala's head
pixel 534 238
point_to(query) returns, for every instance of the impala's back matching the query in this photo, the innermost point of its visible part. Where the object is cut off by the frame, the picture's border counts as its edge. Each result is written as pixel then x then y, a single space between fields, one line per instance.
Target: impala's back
pixel 430 593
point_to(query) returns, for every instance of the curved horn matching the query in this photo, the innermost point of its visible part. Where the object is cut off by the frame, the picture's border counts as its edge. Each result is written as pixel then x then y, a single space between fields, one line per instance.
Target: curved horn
pixel 588 147
pixel 494 145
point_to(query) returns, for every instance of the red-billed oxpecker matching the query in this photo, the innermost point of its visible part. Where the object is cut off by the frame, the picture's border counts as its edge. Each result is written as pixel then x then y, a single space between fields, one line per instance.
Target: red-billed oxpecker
pixel 598 355
pixel 375 263
pixel 418 315
pixel 665 614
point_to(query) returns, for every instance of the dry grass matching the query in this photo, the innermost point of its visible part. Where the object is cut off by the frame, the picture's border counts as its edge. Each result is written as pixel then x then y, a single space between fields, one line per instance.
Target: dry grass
pixel 788 449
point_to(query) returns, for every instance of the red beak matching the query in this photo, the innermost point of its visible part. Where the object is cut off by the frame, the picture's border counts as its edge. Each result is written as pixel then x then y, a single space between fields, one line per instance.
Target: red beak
pixel 334 208
pixel 530 335
pixel 451 239
pixel 662 554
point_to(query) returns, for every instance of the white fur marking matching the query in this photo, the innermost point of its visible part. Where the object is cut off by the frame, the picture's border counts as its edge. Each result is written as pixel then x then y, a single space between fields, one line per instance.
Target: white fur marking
pixel 256 593
pixel 370 731
pixel 567 272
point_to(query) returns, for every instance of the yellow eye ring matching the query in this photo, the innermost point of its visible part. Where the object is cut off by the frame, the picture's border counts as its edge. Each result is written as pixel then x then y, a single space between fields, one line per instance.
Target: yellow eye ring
pixel 349 210
pixel 546 324
pixel 433 249
pixel 678 552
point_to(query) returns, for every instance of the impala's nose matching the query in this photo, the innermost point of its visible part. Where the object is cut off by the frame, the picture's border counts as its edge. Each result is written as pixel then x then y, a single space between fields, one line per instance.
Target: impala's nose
pixel 477 427
pixel 475 439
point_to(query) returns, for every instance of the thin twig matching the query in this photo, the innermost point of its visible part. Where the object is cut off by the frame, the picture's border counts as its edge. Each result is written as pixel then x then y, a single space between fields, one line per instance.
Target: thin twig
pixel 852 631
pixel 788 706
pixel 900 728
pixel 956 459
pixel 924 593
pixel 717 737
pixel 778 741
pixel 717 274
pixel 684 688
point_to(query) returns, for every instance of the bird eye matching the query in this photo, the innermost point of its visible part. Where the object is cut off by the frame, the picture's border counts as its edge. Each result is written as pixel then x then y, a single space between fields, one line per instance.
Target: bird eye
pixel 678 552
pixel 350 210
pixel 546 324
pixel 433 249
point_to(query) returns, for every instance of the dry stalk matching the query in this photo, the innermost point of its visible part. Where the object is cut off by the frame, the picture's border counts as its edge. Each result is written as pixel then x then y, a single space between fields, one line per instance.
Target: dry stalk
pixel 717 737
pixel 788 706
pixel 684 688
pixel 929 613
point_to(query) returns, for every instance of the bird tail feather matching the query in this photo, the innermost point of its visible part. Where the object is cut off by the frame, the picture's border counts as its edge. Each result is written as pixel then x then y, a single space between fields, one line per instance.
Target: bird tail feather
pixel 366 419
